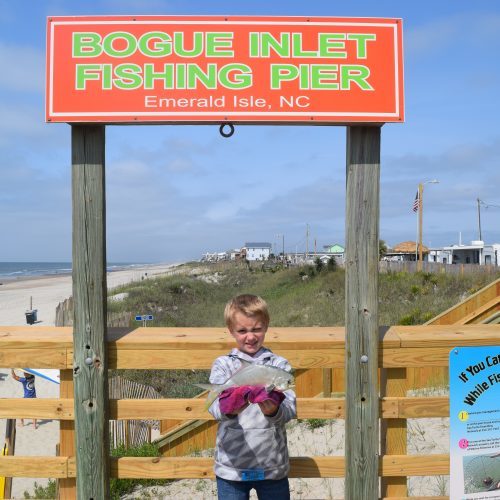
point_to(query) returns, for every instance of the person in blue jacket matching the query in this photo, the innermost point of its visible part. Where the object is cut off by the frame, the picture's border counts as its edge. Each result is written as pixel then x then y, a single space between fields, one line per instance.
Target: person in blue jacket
pixel 28 382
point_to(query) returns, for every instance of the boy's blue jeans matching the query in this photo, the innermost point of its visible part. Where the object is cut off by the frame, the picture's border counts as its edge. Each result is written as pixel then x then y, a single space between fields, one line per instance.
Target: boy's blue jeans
pixel 268 489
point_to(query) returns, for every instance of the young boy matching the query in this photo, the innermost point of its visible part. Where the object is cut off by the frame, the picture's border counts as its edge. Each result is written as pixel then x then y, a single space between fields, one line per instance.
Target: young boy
pixel 251 449
pixel 28 382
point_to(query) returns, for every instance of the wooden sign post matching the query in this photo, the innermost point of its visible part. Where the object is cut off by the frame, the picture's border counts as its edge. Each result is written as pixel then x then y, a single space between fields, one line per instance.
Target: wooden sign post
pixel 361 314
pixel 90 369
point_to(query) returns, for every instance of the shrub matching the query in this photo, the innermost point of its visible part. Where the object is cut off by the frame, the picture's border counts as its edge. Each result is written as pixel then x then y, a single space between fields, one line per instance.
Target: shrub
pixel 44 492
pixel 316 423
pixel 331 265
pixel 318 263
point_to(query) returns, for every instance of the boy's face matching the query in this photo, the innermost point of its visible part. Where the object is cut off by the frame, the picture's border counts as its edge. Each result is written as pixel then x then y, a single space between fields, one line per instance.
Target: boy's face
pixel 248 332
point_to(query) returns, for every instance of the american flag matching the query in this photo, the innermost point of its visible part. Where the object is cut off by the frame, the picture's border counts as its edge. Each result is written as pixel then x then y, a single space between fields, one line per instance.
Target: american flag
pixel 416 203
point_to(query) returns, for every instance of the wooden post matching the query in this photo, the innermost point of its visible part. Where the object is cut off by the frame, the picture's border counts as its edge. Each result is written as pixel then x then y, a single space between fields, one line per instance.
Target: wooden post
pixel 361 318
pixel 9 449
pixel 394 438
pixel 90 368
pixel 66 487
pixel 327 382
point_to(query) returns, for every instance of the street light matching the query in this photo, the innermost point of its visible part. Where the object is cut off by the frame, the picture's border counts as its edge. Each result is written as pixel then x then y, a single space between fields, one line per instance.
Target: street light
pixel 421 216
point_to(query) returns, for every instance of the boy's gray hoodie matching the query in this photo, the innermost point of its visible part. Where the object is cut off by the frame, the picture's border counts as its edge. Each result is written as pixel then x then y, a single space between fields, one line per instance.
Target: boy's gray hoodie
pixel 251 445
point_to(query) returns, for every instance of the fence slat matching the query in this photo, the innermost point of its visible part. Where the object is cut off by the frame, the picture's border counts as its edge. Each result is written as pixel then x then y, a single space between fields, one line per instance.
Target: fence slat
pixel 394 432
pixel 200 467
pixel 187 409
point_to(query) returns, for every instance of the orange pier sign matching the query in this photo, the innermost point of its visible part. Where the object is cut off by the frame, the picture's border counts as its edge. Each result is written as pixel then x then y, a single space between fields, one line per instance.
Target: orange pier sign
pixel 215 69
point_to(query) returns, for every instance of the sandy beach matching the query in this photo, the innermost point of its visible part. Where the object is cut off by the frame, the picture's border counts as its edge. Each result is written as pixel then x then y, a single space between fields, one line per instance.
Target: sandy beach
pixel 46 293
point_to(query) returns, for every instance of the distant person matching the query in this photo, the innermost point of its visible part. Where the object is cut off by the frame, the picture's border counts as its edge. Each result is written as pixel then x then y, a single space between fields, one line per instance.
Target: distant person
pixel 28 382
pixel 251 450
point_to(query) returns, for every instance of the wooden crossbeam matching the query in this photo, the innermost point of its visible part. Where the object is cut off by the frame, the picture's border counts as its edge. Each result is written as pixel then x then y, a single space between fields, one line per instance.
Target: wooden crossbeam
pixel 200 467
pixel 187 409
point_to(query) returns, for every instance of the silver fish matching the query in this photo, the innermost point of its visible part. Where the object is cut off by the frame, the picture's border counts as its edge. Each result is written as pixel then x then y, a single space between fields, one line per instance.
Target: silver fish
pixel 270 377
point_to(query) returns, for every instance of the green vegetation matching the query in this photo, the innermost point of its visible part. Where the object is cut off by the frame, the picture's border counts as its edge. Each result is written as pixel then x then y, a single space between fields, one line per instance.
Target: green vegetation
pixel 300 296
pixel 315 423
pixel 43 492
pixel 121 487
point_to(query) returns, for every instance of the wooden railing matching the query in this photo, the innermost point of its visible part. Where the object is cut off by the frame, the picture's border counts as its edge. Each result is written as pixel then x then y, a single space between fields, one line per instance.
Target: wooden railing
pixel 401 347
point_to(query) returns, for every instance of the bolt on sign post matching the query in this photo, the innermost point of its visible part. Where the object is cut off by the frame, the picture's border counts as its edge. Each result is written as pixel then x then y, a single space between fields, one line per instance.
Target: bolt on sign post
pixel 231 70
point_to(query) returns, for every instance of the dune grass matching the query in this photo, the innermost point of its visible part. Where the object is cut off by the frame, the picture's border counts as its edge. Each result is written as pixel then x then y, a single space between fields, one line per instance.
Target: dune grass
pixel 299 296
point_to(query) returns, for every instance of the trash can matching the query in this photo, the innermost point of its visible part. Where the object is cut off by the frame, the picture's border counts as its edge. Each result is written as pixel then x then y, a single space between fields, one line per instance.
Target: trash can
pixel 31 316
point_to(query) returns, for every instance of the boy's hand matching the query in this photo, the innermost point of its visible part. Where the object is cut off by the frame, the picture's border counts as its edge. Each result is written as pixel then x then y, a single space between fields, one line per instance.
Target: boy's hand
pixel 268 408
pixel 238 411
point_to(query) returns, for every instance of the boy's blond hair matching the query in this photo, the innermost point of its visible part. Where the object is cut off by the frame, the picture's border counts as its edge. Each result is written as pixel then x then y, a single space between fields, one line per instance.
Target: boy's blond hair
pixel 250 306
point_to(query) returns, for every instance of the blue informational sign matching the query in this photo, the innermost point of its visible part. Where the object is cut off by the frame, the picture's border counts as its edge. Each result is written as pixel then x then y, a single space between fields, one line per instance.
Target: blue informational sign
pixel 475 423
pixel 144 317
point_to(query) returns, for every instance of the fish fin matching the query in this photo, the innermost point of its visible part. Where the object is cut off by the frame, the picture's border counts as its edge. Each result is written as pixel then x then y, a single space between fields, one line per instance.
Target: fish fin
pixel 208 387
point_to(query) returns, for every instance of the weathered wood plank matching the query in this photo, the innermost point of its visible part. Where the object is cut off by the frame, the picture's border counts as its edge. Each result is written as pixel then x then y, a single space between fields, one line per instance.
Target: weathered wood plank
pixel 394 431
pixel 9 448
pixel 40 408
pixel 65 406
pixel 218 338
pixel 447 336
pixel 203 359
pixel 361 311
pixel 197 359
pixel 22 466
pixel 199 467
pixel 424 407
pixel 467 306
pixel 415 465
pixel 90 368
pixel 186 409
pixel 415 357
pixel 289 339
pixel 45 358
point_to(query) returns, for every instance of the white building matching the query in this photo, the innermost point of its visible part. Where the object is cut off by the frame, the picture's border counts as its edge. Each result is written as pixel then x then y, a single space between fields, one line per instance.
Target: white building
pixel 257 251
pixel 475 253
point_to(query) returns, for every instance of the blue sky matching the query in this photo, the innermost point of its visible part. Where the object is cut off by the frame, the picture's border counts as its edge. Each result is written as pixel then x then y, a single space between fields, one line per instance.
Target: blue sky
pixel 174 192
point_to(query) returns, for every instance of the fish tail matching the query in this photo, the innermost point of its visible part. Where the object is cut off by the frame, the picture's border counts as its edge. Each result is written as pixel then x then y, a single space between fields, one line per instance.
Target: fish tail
pixel 212 396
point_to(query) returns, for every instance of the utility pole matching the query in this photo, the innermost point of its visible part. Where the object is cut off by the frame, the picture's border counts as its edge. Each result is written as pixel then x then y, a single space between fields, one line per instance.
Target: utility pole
pixel 479 218
pixel 307 242
pixel 420 217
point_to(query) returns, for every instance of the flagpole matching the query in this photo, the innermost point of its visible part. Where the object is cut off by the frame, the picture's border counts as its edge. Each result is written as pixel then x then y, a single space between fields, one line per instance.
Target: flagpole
pixel 420 217
pixel 416 240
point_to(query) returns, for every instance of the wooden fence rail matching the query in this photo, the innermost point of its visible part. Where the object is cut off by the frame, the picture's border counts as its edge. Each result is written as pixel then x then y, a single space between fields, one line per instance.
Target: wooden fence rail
pixel 184 348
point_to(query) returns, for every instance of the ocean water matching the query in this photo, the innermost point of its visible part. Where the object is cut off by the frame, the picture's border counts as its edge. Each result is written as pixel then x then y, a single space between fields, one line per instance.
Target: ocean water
pixel 13 270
